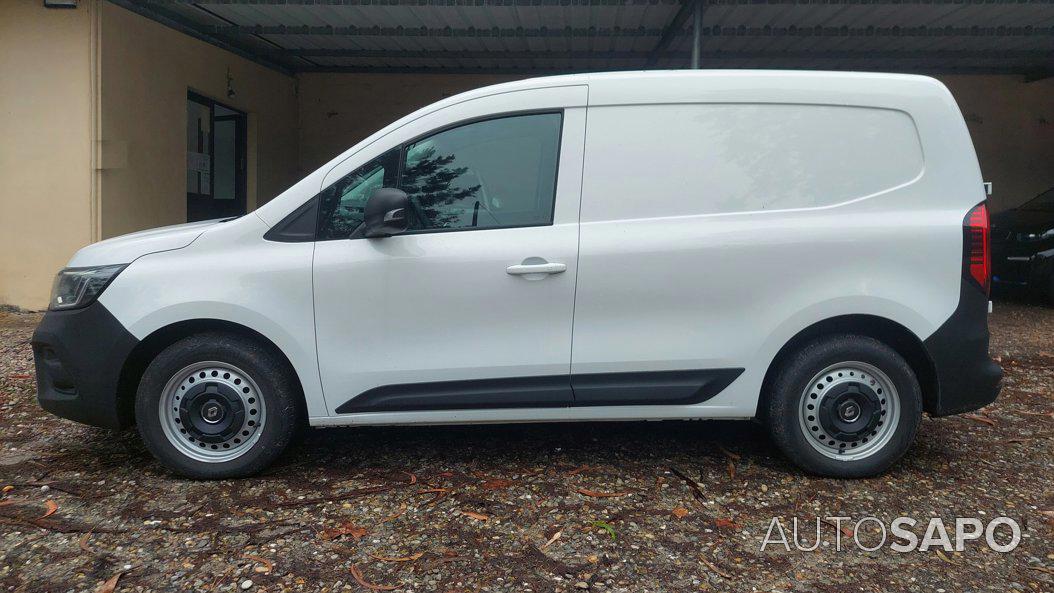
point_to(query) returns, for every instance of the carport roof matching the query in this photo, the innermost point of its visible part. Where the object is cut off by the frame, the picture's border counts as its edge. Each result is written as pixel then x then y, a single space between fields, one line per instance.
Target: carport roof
pixel 549 36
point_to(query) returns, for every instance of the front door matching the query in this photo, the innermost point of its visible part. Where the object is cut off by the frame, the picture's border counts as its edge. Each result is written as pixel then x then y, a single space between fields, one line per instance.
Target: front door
pixel 215 160
pixel 472 307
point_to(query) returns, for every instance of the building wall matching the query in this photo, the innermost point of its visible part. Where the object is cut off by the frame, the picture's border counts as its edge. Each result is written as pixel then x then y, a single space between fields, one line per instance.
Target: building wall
pixel 147 69
pixel 1012 125
pixel 46 147
pixel 338 110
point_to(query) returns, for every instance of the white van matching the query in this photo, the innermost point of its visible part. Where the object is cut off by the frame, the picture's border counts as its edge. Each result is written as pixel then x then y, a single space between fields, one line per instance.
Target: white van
pixel 807 249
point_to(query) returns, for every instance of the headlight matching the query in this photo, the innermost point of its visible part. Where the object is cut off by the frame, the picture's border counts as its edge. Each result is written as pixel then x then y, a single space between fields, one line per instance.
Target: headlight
pixel 79 287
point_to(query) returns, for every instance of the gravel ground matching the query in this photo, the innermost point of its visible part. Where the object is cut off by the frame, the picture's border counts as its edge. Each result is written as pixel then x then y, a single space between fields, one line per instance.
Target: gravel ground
pixel 671 506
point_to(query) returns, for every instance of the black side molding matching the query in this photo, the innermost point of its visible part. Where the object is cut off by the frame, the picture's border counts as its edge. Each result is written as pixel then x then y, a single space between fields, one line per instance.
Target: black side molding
pixel 516 392
pixel 601 389
pixel 666 388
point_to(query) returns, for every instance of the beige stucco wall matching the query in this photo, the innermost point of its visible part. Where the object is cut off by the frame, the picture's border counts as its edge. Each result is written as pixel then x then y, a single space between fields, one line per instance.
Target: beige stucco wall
pixel 147 69
pixel 45 148
pixel 1012 125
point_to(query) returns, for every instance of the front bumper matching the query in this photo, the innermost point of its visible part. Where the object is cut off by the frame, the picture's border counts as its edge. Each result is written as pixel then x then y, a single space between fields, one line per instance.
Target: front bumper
pixel 79 355
pixel 967 378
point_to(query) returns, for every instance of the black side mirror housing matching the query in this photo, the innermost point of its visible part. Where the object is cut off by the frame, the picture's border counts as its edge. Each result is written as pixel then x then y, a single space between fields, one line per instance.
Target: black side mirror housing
pixel 386 213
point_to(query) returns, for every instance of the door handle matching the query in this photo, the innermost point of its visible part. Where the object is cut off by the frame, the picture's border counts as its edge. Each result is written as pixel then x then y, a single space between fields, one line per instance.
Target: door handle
pixel 546 268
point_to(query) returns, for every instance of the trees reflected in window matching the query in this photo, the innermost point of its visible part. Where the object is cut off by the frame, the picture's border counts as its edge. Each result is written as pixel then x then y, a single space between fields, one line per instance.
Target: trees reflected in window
pixel 488 174
pixel 493 173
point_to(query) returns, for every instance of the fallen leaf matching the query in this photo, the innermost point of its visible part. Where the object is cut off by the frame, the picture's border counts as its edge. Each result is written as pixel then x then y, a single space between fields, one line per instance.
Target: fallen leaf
pixel 1041 569
pixel 409 558
pixel 357 575
pixel 20 376
pixel 1046 414
pixel 980 418
pixel 1046 354
pixel 729 454
pixel 342 530
pixel 110 584
pixel 845 530
pixel 8 488
pixel 476 516
pixel 1049 516
pixel 731 470
pixel 680 512
pixel 714 568
pixel 606 527
pixel 726 523
pixel 399 513
pixel 437 495
pixel 578 470
pixel 596 494
pixel 267 564
pixel 942 556
pixel 496 484
pixel 52 506
pixel 84 543
pixel 552 539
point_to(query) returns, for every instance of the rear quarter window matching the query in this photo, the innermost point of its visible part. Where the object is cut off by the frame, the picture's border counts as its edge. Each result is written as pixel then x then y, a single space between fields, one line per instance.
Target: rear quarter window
pixel 674 160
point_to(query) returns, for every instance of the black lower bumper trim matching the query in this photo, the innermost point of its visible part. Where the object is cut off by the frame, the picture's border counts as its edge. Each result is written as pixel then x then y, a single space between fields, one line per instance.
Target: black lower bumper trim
pixel 967 378
pixel 79 355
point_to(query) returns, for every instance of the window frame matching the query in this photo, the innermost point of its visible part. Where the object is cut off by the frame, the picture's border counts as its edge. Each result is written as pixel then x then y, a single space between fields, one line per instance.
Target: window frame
pixel 402 147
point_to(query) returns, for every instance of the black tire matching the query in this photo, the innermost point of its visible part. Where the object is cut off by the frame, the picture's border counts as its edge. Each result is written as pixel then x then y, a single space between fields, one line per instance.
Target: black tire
pixel 788 395
pixel 278 390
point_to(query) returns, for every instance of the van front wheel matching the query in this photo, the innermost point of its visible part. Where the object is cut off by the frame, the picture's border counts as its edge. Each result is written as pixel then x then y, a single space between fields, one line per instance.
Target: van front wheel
pixel 216 405
pixel 844 406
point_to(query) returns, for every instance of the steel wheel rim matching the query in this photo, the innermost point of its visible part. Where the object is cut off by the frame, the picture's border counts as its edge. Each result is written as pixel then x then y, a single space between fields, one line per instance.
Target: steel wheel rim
pixel 817 413
pixel 188 402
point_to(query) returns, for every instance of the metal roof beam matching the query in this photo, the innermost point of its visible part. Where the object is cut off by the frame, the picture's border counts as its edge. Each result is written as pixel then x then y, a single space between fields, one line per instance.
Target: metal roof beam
pixel 572 3
pixel 194 29
pixel 672 30
pixel 923 69
pixel 637 55
pixel 592 32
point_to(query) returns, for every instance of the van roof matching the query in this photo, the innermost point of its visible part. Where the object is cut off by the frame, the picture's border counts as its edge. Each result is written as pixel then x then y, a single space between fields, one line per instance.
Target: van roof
pixel 891 91
pixel 631 78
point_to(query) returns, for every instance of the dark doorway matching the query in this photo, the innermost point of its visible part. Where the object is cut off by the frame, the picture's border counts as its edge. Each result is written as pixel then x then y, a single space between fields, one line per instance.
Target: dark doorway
pixel 215 159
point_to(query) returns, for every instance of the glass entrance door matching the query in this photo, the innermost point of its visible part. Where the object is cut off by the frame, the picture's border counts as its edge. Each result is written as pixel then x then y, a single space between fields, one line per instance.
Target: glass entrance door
pixel 215 159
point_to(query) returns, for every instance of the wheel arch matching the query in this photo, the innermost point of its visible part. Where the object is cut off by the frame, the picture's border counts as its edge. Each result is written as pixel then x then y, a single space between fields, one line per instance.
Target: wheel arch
pixel 896 336
pixel 150 346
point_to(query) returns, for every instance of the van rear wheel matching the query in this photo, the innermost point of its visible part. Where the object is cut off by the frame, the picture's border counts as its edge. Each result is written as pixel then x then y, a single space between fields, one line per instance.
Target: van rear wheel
pixel 217 405
pixel 844 406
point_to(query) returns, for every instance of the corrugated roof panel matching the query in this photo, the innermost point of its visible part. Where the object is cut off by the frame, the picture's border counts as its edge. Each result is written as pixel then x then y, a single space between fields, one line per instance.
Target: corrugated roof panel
pixel 828 35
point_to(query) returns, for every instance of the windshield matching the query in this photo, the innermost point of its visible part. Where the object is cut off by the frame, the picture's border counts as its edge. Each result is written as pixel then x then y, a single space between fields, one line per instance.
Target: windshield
pixel 1044 202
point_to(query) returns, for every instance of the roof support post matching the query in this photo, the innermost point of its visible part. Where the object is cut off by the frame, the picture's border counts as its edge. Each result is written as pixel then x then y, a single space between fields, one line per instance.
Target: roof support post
pixel 697 35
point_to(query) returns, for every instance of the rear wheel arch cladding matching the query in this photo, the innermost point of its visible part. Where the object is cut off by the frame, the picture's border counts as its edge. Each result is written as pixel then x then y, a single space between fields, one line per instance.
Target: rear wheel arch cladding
pixel 894 335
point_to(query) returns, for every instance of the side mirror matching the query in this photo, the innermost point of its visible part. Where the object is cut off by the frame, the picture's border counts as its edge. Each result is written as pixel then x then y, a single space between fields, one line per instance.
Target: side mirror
pixel 385 213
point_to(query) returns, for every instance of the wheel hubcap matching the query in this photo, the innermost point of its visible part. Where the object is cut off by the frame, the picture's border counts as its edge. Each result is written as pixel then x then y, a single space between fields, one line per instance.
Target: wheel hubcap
pixel 212 411
pixel 849 411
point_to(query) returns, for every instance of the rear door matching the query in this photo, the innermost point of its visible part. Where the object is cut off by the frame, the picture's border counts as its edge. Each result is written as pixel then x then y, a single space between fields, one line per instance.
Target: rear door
pixel 472 307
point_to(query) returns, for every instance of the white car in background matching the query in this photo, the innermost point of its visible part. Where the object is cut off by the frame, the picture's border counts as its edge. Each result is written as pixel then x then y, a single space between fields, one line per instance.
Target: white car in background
pixel 806 248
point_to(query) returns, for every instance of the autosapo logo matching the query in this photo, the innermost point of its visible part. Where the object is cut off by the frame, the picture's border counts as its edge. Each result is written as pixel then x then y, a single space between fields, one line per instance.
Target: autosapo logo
pixel 902 534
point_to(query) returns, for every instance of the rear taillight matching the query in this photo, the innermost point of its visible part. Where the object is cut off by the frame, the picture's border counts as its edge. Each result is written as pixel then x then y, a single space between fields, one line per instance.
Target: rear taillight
pixel 977 256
